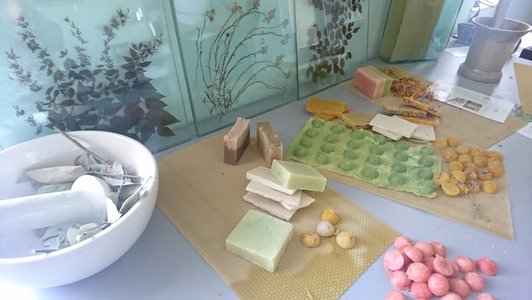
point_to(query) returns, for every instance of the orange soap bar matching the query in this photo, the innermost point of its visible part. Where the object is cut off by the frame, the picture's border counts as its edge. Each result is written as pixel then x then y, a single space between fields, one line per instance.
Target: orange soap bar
pixel 327 107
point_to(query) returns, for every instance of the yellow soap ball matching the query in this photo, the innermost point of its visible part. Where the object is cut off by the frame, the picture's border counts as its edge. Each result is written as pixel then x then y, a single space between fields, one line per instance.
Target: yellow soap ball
pixel 449 154
pixel 464 158
pixel 489 186
pixel 495 154
pixel 462 149
pixel 484 174
pixel 497 170
pixel 311 239
pixel 453 141
pixel 450 188
pixel 473 186
pixel 440 177
pixel 455 165
pixel 330 216
pixel 480 161
pixel 440 143
pixel 477 152
pixel 346 240
pixel 469 166
pixel 464 190
pixel 470 174
pixel 459 175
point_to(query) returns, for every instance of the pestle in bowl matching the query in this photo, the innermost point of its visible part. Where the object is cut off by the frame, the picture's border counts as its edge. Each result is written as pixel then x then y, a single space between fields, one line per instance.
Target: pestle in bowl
pixel 500 14
pixel 84 203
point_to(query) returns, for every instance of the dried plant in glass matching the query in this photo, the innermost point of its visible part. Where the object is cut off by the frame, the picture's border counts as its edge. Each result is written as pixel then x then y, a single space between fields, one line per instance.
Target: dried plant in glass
pixel 230 63
pixel 104 96
pixel 330 42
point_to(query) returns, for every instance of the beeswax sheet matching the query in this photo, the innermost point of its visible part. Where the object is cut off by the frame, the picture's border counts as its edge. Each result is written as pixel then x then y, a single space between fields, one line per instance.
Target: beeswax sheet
pixel 202 197
pixel 473 129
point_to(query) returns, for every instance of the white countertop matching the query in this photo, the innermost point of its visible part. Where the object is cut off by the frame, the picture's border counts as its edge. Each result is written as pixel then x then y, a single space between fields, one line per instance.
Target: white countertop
pixel 163 265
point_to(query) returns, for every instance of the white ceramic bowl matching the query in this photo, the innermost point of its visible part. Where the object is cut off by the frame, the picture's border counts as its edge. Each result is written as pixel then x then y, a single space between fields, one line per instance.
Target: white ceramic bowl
pixel 90 256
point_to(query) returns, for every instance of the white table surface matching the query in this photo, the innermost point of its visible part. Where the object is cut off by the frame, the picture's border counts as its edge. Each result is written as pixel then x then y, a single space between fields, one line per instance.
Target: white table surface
pixel 163 265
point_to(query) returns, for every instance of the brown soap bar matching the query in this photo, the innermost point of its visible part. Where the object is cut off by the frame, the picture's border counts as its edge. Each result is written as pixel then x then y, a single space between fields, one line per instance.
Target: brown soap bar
pixel 236 141
pixel 268 142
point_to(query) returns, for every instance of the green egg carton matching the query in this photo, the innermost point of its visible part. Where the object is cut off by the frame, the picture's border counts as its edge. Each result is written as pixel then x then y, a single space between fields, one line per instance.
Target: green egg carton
pixel 368 156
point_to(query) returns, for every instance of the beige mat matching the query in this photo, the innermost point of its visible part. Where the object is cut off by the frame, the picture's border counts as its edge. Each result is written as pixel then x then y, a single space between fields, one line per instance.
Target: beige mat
pixel 473 129
pixel 490 213
pixel 202 197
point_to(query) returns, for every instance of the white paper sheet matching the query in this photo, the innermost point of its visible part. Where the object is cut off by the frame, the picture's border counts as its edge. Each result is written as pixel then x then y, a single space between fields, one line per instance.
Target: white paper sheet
pixel 526 131
pixel 471 101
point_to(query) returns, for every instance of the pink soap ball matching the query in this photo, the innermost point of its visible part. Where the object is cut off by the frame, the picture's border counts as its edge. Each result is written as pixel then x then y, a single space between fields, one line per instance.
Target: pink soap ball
pixel 475 281
pixel 438 284
pixel 429 262
pixel 395 295
pixel 413 253
pixel 420 290
pixel 425 247
pixel 393 260
pixel 439 249
pixel 485 296
pixel 465 264
pixel 443 266
pixel 460 287
pixel 400 280
pixel 451 296
pixel 486 266
pixel 418 272
pixel 456 269
pixel 402 241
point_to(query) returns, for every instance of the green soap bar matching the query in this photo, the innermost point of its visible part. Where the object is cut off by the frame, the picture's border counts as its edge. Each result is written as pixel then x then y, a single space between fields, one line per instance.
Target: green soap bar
pixel 388 82
pixel 295 175
pixel 366 155
pixel 260 239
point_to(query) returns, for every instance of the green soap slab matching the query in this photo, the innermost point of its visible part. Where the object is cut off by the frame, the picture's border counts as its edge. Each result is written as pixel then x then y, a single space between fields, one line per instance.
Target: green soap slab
pixel 368 156
pixel 388 82
pixel 295 175
pixel 260 239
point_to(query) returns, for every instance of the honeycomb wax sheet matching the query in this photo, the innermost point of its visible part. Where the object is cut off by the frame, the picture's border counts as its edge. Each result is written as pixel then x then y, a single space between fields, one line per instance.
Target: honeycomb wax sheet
pixel 367 156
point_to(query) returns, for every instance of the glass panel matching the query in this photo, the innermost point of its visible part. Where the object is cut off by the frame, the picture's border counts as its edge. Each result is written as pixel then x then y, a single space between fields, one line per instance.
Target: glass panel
pixel 332 41
pixel 239 58
pixel 91 64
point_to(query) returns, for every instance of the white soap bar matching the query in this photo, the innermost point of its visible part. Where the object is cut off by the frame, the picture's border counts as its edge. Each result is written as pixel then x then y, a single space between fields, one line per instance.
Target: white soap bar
pixel 306 200
pixel 264 176
pixel 273 207
pixel 392 135
pixel 257 188
pixel 260 239
pixel 424 133
pixel 394 124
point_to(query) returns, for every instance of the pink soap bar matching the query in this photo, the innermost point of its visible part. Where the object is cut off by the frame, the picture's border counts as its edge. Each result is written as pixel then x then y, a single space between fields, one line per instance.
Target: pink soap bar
pixel 369 83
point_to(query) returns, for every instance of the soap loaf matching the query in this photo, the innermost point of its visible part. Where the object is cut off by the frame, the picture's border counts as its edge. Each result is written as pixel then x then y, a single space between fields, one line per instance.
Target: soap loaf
pixel 268 142
pixel 369 83
pixel 236 141
pixel 260 239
